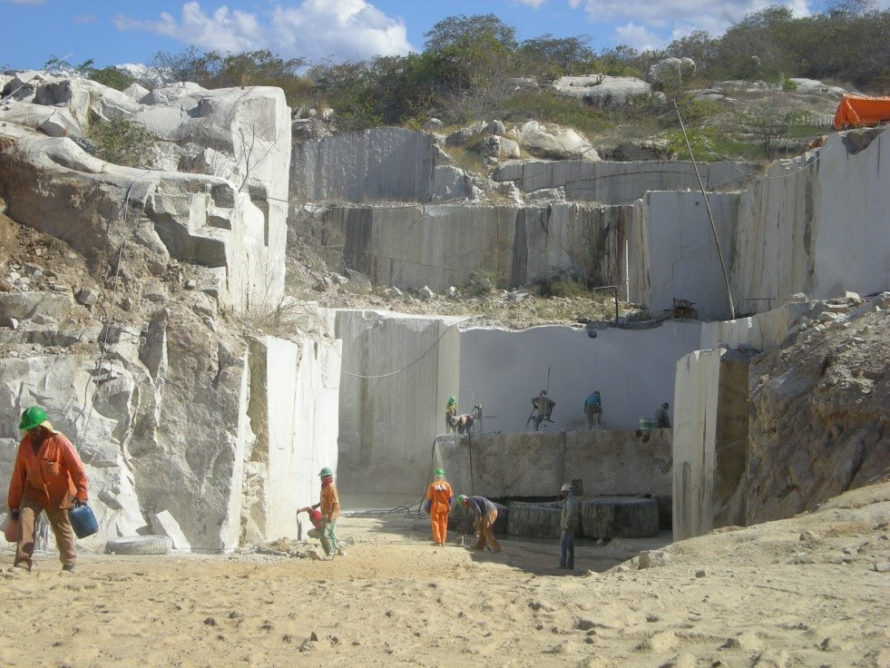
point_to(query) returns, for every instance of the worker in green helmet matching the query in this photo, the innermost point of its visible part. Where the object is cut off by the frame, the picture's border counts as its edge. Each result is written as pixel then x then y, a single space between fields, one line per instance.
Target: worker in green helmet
pixel 48 476
pixel 329 504
pixel 450 414
pixel 438 505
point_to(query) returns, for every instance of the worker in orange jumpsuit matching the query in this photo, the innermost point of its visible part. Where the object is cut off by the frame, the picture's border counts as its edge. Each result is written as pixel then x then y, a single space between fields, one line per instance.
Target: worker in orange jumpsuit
pixel 49 477
pixel 329 504
pixel 438 505
pixel 485 513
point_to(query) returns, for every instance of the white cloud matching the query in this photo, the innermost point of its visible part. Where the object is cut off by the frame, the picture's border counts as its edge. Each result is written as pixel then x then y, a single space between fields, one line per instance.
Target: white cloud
pixel 224 30
pixel 314 29
pixel 338 29
pixel 638 37
pixel 536 4
pixel 663 18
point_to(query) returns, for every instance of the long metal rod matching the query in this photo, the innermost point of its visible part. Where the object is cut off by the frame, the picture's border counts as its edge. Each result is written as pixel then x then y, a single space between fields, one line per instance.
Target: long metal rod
pixel 710 216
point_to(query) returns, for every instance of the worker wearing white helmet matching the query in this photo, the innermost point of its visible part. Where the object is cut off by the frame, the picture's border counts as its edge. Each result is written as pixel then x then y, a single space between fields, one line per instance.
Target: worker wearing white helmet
pixel 568 522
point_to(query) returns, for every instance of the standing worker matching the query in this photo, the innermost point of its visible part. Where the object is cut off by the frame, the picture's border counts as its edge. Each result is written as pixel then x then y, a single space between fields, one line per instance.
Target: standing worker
pixel 329 505
pixel 47 476
pixel 568 521
pixel 438 505
pixel 593 409
pixel 485 513
pixel 542 407
pixel 662 418
pixel 450 414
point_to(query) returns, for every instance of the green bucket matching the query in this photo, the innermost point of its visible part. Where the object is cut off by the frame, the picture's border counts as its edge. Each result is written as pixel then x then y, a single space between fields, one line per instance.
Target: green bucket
pixel 647 423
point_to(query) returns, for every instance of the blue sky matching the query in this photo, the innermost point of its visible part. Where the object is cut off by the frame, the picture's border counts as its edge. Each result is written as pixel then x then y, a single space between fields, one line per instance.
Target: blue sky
pixel 113 32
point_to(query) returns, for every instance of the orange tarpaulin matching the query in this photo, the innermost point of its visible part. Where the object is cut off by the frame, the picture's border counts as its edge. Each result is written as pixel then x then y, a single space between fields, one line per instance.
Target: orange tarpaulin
pixel 856 111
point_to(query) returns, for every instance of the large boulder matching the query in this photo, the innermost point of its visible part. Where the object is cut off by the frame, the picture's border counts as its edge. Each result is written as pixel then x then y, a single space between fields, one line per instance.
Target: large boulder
pixel 552 142
pixel 670 72
pixel 602 90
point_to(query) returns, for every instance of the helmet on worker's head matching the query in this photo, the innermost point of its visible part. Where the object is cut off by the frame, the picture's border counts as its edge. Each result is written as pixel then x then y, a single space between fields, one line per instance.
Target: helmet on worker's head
pixel 543 391
pixel 452 400
pixel 325 472
pixel 439 471
pixel 461 498
pixel 32 417
pixel 566 487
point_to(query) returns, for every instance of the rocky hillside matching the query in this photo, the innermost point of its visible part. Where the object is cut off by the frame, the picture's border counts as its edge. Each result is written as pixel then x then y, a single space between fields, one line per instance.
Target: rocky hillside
pixel 818 413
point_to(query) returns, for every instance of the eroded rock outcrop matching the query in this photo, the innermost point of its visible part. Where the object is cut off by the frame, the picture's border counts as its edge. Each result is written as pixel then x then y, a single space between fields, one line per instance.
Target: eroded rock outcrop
pixel 143 336
pixel 824 390
pixel 228 220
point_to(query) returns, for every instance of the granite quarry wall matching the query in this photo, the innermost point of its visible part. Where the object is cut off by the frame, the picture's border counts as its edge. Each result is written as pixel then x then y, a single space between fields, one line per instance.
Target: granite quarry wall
pixel 801 227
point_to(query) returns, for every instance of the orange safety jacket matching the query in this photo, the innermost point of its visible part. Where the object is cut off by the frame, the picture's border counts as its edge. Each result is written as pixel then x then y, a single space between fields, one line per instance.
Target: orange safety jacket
pixel 330 501
pixel 439 494
pixel 53 476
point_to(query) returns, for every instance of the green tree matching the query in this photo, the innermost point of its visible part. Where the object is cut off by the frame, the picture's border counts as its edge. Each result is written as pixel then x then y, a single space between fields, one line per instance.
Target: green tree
pixel 755 47
pixel 461 29
pixel 189 65
pixel 111 77
pixel 698 45
pixel 550 57
pixel 348 88
pixel 620 61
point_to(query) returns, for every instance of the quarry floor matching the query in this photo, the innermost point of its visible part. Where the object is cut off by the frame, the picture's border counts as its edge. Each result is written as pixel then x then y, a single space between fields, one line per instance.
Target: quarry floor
pixel 813 590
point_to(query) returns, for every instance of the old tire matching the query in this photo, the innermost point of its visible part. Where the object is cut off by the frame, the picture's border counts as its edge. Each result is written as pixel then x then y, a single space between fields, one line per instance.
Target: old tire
pixel 534 520
pixel 620 517
pixel 139 545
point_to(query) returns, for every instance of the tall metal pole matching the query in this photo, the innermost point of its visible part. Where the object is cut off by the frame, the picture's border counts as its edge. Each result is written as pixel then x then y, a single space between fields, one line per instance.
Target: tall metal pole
pixel 710 216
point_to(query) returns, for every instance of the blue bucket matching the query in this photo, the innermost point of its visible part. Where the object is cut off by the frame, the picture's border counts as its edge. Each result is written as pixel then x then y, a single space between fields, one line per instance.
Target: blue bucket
pixel 83 521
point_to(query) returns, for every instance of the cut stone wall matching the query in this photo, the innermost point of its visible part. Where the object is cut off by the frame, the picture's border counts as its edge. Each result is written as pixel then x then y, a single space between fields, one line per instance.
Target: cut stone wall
pixel 381 164
pixel 444 245
pixel 633 370
pixel 521 465
pixel 294 403
pixel 816 224
pixel 810 225
pixel 677 256
pixel 710 442
pixel 397 374
pixel 621 182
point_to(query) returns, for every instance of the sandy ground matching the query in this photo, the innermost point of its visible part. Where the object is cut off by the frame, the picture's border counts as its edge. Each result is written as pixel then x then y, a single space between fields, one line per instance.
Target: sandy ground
pixel 813 590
